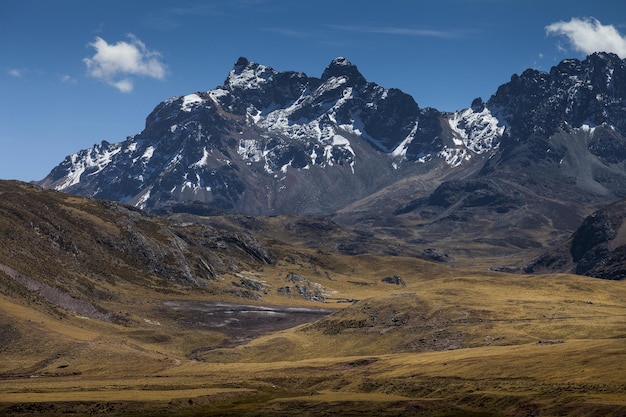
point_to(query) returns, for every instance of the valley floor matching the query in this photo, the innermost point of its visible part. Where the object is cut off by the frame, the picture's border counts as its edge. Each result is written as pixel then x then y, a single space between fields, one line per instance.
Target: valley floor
pixel 578 377
pixel 444 343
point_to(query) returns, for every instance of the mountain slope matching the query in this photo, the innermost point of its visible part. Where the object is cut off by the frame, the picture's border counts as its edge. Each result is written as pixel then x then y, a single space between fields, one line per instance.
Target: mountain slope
pixel 269 142
pixel 517 173
pixel 561 156
pixel 596 249
pixel 74 248
pixel 567 125
pixel 105 309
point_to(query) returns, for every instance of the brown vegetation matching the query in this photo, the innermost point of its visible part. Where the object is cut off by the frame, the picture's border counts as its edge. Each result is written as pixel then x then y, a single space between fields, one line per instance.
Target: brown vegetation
pixel 188 319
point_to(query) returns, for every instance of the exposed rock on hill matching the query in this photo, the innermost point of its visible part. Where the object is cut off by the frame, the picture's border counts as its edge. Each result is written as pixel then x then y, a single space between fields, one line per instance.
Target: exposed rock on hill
pixel 73 251
pixel 597 248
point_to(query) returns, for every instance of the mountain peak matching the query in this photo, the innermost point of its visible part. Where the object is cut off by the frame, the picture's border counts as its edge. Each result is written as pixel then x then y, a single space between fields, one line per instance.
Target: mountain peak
pixel 269 142
pixel 249 75
pixel 604 56
pixel 341 67
pixel 341 61
pixel 242 62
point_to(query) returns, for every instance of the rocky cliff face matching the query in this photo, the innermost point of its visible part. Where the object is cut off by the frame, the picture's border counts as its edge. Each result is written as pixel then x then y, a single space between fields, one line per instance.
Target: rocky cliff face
pixel 597 248
pixel 73 251
pixel 269 142
pixel 518 171
pixel 566 126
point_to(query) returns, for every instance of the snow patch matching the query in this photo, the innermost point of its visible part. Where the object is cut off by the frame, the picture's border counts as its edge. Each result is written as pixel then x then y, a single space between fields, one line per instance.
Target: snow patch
pixel 454 156
pixel 402 147
pixel 330 84
pixel 339 140
pixel 98 157
pixel 190 101
pixel 203 161
pixel 251 78
pixel 588 128
pixel 218 93
pixel 477 131
pixel 141 203
pixel 147 155
pixel 254 114
pixel 251 150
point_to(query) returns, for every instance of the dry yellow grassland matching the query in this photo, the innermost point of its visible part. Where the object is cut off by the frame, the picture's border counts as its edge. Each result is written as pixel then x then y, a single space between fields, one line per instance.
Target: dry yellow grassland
pixel 449 342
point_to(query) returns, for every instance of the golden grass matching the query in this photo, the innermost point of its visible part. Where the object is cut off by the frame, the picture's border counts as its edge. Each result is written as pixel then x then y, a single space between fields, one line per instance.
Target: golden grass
pixel 451 342
pixel 452 313
pixel 550 376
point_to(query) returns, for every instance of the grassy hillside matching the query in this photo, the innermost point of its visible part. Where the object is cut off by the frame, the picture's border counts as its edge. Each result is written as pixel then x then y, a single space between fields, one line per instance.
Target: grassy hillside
pixel 105 310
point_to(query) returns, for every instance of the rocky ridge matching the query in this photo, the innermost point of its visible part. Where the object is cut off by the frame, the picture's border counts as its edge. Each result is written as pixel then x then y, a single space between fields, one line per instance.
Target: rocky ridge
pixel 520 171
pixel 597 248
pixel 305 144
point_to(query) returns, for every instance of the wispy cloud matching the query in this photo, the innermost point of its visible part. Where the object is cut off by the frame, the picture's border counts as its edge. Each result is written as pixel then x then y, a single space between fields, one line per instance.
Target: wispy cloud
pixel 172 18
pixel 67 79
pixel 15 72
pixel 292 33
pixel 117 64
pixel 401 31
pixel 588 35
pixel 195 10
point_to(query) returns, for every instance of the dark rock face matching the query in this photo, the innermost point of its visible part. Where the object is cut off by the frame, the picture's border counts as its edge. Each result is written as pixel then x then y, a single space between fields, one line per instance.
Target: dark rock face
pixel 596 249
pixel 270 142
pixel 542 152
pixel 395 280
pixel 341 67
pixel 597 229
pixel 608 145
pixel 471 193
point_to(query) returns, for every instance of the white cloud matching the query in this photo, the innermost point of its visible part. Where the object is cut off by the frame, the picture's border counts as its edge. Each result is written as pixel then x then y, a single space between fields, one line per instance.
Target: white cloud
pixel 14 72
pixel 116 63
pixel 125 85
pixel 400 31
pixel 588 35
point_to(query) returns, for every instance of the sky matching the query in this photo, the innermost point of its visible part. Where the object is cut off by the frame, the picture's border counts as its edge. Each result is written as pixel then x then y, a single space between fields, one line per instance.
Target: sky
pixel 76 72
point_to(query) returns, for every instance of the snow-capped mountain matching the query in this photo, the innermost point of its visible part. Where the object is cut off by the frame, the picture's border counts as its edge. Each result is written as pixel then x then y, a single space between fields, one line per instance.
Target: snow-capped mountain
pixel 567 124
pixel 271 142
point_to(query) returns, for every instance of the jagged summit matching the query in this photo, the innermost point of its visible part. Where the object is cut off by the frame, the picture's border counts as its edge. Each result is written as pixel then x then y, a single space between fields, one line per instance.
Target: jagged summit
pixel 248 75
pixel 242 62
pixel 341 67
pixel 283 142
pixel 478 105
pixel 341 61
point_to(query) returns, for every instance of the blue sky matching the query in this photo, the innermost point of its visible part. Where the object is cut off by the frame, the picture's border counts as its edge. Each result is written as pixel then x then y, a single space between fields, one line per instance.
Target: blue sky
pixel 74 73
